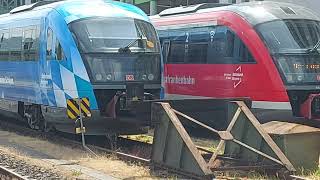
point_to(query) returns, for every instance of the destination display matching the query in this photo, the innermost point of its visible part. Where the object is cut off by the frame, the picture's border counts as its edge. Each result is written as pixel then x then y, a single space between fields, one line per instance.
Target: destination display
pixel 306 66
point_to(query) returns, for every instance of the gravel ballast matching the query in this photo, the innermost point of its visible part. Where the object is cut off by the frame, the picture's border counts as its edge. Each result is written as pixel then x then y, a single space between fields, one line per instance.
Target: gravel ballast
pixel 22 168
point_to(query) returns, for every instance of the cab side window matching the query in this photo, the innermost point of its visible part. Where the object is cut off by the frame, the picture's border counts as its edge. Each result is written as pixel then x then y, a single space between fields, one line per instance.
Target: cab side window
pixel 59 51
pixel 54 48
pixel 49 44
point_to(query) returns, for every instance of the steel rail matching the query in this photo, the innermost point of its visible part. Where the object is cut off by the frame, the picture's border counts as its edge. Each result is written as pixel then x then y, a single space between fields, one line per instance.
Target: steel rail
pixel 6 173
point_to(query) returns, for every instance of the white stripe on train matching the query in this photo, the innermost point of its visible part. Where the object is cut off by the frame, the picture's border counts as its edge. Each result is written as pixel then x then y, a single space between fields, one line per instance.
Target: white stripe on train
pixel 255 104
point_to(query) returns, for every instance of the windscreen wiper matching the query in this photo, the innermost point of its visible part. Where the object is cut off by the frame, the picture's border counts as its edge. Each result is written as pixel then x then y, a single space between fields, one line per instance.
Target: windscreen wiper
pixel 314 48
pixel 126 49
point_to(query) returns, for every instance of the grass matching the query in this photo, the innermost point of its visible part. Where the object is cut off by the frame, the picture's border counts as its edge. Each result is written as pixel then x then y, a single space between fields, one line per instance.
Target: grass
pixel 307 174
pixel 314 174
pixel 76 173
pixel 141 137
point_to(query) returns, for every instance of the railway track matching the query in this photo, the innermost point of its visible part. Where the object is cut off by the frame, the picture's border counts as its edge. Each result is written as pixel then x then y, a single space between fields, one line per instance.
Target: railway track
pixel 123 151
pixel 12 167
pixel 6 173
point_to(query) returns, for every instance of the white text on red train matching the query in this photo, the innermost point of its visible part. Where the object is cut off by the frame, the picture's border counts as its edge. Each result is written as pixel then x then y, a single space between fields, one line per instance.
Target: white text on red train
pixel 236 77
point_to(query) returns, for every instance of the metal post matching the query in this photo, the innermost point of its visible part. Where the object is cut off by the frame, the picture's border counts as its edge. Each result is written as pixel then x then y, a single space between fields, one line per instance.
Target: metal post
pixel 81 128
pixel 81 123
pixel 153 7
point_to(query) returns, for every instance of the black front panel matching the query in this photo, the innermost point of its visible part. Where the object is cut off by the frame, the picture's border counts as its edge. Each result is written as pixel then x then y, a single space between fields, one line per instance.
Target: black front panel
pixel 107 68
pixel 104 96
pixel 297 98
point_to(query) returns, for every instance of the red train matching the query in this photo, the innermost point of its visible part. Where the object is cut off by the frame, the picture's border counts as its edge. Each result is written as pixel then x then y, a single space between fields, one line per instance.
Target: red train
pixel 263 50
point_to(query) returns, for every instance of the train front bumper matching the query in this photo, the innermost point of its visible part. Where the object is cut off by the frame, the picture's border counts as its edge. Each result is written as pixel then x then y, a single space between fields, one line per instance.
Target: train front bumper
pixel 97 124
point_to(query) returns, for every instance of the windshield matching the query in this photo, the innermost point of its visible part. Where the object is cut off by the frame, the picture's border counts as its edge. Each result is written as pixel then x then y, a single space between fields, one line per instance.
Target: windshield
pixel 290 35
pixel 288 42
pixel 109 35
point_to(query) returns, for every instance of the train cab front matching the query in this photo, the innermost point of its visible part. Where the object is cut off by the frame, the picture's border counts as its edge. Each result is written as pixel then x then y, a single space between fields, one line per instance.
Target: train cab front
pixel 122 58
pixel 294 46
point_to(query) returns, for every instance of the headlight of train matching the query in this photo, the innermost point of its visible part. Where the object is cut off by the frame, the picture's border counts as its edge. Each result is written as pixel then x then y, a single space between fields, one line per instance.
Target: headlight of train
pixel 289 78
pixel 300 78
pixel 150 77
pixel 109 77
pixel 98 77
pixel 144 77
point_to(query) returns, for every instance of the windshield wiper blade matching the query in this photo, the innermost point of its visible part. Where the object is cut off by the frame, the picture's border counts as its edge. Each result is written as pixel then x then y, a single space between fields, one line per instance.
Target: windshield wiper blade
pixel 315 48
pixel 126 49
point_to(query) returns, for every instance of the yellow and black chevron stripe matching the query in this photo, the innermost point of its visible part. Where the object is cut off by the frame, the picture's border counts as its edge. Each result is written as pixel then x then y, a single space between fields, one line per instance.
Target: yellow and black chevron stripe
pixel 73 110
pixel 85 107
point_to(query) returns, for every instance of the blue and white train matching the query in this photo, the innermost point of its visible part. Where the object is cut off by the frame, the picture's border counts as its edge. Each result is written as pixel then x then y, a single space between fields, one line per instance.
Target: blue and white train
pixel 104 50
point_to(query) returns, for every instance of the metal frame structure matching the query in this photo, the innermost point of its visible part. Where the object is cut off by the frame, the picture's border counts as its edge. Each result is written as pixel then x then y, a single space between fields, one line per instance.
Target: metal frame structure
pixel 173 147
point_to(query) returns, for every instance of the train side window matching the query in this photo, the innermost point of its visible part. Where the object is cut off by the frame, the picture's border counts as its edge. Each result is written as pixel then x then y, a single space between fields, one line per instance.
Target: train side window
pixel 49 44
pixel 30 43
pixel 178 47
pixel 245 55
pixel 59 51
pixel 227 48
pixel 54 50
pixel 15 44
pixel 4 45
pixel 198 45
pixel 176 53
pixel 165 44
pixel 221 47
pixel 165 50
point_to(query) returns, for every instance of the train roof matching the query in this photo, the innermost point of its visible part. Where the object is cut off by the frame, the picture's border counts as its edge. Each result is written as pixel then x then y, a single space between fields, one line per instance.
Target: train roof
pixel 254 12
pixel 73 10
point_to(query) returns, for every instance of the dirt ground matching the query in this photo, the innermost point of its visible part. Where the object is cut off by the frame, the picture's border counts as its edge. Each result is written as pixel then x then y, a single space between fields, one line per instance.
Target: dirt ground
pixel 104 162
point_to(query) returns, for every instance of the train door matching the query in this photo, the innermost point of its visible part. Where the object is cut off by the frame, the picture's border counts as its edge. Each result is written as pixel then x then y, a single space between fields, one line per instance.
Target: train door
pixel 230 62
pixel 31 59
pixel 50 78
pixel 165 47
pixel 173 51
